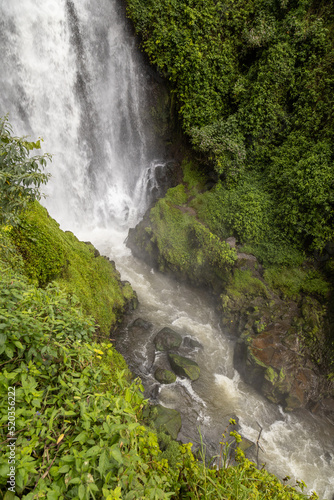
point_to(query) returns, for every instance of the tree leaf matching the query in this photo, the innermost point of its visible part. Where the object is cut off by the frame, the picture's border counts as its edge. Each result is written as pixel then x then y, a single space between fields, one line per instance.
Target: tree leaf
pixel 103 462
pixel 81 491
pixel 93 451
pixel 61 437
pixel 64 469
pixel 116 454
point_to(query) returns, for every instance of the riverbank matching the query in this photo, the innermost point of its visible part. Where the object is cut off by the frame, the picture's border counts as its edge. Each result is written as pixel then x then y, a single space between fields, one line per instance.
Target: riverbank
pixel 277 313
pixel 78 429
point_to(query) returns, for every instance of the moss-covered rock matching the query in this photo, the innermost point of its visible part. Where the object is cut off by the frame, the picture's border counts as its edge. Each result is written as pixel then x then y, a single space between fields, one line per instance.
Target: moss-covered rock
pixel 191 343
pixel 171 238
pixel 164 376
pixel 50 254
pixel 164 419
pixel 167 339
pixel 184 367
pixel 187 234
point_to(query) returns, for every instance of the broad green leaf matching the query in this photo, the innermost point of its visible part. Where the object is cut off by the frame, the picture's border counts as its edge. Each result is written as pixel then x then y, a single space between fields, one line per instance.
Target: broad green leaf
pixel 116 454
pixel 9 351
pixel 93 451
pixel 64 469
pixel 82 437
pixel 67 458
pixel 103 462
pixel 75 480
pixel 53 495
pixel 81 491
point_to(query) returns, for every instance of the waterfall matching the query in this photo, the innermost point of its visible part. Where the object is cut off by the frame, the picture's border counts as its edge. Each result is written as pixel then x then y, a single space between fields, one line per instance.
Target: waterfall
pixel 71 72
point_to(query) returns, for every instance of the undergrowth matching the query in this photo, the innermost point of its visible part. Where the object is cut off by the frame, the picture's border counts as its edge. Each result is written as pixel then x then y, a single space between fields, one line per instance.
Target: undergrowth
pixel 78 431
pixel 52 255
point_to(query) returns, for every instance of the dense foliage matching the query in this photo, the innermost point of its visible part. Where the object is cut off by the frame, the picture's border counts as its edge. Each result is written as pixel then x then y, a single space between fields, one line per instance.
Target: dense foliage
pixel 20 175
pixel 50 255
pixel 70 414
pixel 254 83
pixel 78 431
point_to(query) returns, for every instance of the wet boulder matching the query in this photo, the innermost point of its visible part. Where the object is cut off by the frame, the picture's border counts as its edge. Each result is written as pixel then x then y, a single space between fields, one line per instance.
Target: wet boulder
pixel 184 367
pixel 164 376
pixel 276 368
pixel 166 420
pixel 154 393
pixel 141 323
pixel 191 343
pixel 167 339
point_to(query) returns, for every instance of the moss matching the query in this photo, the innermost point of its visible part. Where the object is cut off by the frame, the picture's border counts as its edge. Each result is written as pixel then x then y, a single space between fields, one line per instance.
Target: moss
pixel 271 375
pixel 187 247
pixel 164 376
pixel 37 239
pixel 193 176
pixel 177 195
pixel 165 420
pixel 245 284
pixel 50 254
pixel 293 281
pixel 9 254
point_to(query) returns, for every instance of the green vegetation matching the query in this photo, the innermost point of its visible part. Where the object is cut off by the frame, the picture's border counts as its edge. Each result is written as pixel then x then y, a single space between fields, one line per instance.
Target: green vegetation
pixel 20 175
pixel 77 428
pixel 294 281
pixel 78 431
pixel 52 255
pixel 70 408
pixel 253 82
pixel 187 246
pixel 245 284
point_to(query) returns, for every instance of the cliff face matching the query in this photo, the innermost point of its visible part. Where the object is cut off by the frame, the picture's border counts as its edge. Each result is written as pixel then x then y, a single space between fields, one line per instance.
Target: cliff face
pixel 252 86
pixel 281 326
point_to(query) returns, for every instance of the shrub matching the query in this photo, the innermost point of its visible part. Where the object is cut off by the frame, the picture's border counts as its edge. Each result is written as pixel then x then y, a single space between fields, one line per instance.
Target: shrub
pixel 20 175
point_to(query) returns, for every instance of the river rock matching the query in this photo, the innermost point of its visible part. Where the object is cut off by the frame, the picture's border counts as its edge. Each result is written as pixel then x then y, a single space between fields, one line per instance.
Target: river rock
pixel 141 323
pixel 191 343
pixel 155 392
pixel 167 339
pixel 164 376
pixel 166 420
pixel 184 367
pixel 277 370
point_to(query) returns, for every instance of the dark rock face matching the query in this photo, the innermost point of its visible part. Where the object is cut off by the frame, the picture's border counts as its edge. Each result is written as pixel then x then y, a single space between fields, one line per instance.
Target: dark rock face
pixel 269 353
pixel 155 392
pixel 140 242
pixel 276 370
pixel 141 323
pixel 184 367
pixel 278 336
pixel 190 343
pixel 167 339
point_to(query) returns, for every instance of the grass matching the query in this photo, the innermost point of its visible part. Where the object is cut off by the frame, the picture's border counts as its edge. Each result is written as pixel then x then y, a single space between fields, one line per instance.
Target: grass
pixel 52 255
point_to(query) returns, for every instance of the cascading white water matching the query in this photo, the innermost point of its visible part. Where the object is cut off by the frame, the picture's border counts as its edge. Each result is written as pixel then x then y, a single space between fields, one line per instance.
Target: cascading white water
pixel 71 72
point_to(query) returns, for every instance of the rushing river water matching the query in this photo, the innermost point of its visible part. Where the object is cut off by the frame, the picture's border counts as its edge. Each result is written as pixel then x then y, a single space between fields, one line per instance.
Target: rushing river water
pixel 71 72
pixel 296 444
